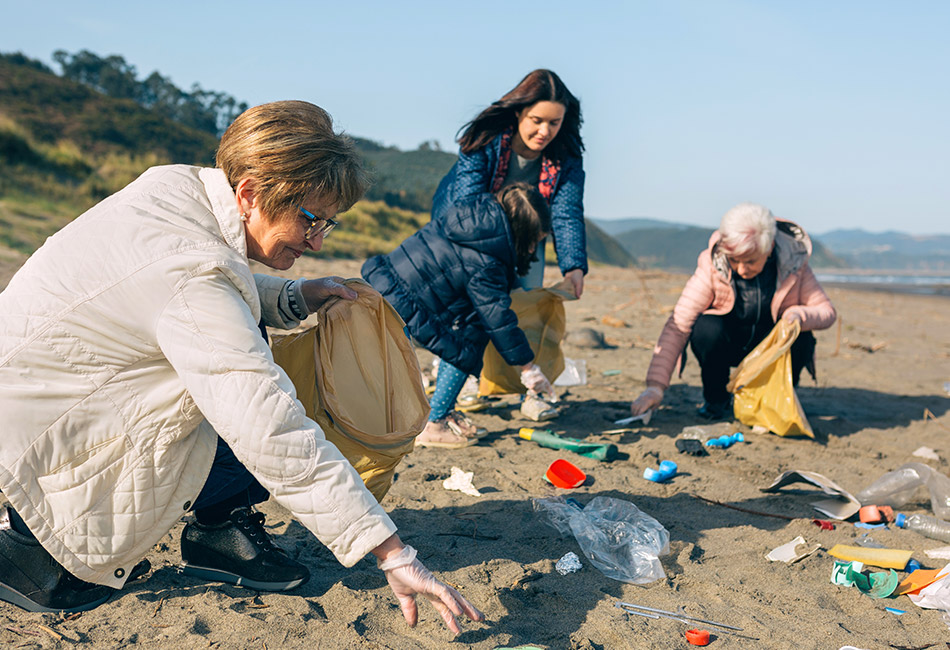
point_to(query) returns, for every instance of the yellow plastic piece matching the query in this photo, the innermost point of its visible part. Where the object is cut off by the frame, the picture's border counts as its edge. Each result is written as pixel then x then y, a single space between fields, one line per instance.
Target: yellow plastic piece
pixel 764 395
pixel 542 318
pixel 886 558
pixel 357 376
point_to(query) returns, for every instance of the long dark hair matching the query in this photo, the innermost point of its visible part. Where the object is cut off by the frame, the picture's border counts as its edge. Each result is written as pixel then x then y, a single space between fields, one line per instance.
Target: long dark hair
pixel 538 86
pixel 530 219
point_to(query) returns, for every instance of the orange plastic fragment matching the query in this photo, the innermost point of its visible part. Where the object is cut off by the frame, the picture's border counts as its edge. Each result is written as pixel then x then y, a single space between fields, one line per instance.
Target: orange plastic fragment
pixel 917 580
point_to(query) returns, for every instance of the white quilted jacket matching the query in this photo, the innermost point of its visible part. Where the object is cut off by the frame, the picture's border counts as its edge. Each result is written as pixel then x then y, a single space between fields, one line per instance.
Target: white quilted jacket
pixel 126 342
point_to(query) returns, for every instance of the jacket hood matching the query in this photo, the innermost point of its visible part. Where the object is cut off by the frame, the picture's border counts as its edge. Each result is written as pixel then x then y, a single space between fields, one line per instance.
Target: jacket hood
pixel 481 225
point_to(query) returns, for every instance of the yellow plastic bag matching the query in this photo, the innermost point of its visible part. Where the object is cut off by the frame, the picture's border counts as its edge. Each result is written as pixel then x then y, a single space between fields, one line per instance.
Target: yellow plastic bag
pixel 357 376
pixel 762 383
pixel 541 317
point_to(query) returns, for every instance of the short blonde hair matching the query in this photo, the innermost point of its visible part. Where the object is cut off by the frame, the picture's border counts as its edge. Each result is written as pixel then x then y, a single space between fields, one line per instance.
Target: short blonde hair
pixel 290 150
pixel 747 228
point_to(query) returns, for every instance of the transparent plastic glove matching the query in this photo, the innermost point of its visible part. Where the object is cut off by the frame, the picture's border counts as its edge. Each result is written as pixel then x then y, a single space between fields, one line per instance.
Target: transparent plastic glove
pixel 316 292
pixel 408 577
pixel 533 379
pixel 648 399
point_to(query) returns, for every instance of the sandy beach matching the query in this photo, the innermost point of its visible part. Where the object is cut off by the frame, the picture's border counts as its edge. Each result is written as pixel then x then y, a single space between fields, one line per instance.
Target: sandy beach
pixel 880 370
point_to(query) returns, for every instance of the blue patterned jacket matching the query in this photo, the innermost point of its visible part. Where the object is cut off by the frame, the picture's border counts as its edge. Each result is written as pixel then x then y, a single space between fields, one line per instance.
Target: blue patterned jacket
pixel 451 281
pixel 472 175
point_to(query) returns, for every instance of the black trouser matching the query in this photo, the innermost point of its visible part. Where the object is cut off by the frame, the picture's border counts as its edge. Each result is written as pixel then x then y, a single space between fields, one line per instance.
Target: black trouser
pixel 713 343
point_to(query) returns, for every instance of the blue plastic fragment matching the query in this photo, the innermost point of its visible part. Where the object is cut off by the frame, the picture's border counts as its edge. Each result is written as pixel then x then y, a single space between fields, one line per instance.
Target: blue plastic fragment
pixel 666 472
pixel 724 442
pixel 861 524
pixel 912 565
pixel 894 610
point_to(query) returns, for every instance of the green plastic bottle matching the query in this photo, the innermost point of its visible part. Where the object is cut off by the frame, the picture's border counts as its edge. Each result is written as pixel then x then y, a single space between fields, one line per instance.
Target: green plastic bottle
pixel 546 438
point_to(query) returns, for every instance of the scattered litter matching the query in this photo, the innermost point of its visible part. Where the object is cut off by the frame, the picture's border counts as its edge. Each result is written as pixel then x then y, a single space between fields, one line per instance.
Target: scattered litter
pixel 724 442
pixel 605 451
pixel 917 580
pixel 564 474
pixel 623 542
pixel 568 564
pixel 651 612
pixel 912 565
pixel 614 432
pixel 941 553
pixel 665 473
pixel 894 610
pixel 946 387
pixel 611 373
pixel 575 373
pixel 841 508
pixel 864 524
pixel 643 417
pixel 697 637
pixel 875 514
pixel 691 446
pixel 866 541
pixel 613 321
pixel 462 482
pixel 886 558
pixel 876 585
pixel 786 552
pixel 926 452
pixel 936 595
pixel 824 525
pixel 695 432
pixel 898 487
pixel 870 349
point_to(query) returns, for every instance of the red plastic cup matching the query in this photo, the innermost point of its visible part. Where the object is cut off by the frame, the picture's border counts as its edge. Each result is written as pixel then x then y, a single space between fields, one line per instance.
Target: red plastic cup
pixel 565 475
pixel 697 637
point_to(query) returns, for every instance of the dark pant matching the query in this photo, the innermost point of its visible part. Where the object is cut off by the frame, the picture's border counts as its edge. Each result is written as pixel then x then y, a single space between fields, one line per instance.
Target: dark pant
pixel 229 486
pixel 717 352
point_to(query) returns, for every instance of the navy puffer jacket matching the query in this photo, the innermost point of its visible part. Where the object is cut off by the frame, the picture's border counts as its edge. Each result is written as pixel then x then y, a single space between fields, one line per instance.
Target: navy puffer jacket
pixel 450 282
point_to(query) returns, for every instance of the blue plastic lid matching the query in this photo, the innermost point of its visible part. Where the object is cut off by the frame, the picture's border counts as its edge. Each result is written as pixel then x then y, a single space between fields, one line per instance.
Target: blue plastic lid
pixel 900 520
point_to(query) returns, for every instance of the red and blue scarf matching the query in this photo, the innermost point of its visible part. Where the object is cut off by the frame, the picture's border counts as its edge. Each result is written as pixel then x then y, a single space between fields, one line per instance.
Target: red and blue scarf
pixel 550 169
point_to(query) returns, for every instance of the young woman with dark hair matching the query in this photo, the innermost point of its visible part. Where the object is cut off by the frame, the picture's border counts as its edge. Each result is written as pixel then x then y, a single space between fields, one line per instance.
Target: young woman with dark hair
pixel 451 282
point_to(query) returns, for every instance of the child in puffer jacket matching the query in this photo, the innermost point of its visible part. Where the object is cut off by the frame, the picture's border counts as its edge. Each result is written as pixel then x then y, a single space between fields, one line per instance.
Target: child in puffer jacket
pixel 451 281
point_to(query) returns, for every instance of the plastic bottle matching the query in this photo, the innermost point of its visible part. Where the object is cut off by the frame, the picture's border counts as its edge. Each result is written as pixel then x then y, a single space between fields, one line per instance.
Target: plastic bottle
pixel 898 487
pixel 551 440
pixel 925 525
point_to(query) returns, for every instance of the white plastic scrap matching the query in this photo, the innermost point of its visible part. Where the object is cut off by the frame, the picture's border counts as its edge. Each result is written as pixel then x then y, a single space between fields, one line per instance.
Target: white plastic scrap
pixel 941 553
pixel 575 373
pixel 568 564
pixel 936 595
pixel 926 452
pixel 461 481
pixel 786 552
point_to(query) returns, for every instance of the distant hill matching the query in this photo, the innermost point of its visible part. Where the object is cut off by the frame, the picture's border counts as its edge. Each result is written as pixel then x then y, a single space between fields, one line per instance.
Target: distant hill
pixel 675 246
pixel 604 249
pixel 405 179
pixel 614 227
pixel 890 250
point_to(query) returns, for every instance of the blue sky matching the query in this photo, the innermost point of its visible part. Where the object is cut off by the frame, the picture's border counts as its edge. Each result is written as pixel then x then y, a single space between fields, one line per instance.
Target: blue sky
pixel 833 114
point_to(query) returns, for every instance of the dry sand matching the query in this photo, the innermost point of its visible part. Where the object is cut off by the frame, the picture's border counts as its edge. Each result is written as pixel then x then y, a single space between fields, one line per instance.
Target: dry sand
pixel 867 407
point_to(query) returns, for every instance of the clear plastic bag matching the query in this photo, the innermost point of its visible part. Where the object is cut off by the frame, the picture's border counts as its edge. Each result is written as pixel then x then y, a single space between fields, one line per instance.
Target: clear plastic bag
pixel 575 373
pixel 898 487
pixel 616 536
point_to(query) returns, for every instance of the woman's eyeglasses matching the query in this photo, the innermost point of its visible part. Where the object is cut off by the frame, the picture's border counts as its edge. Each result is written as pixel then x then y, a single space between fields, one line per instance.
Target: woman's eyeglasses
pixel 317 225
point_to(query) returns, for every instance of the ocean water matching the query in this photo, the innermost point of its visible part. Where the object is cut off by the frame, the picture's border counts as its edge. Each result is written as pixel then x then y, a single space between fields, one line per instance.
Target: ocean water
pixel 923 283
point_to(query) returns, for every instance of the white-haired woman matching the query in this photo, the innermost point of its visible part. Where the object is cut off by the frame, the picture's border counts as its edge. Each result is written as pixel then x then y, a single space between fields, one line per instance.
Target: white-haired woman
pixel 754 272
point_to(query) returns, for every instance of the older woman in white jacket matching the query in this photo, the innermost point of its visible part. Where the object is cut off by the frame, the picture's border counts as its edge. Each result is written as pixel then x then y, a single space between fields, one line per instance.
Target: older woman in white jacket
pixel 135 385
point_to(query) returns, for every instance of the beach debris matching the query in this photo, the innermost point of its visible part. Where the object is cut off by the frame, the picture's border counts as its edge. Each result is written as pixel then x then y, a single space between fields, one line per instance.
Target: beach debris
pixel 870 349
pixel 842 507
pixel 936 595
pixel 898 487
pixel 461 481
pixel 917 580
pixel 876 514
pixel 867 541
pixel 574 374
pixel 894 610
pixel 666 471
pixel 724 442
pixel 652 612
pixel 643 417
pixel 861 524
pixel 691 446
pixel 613 321
pixel 786 552
pixel 876 585
pixel 946 387
pixel 605 451
pixel 823 524
pixel 886 558
pixel 569 563
pixel 926 452
pixel 564 474
pixel 912 565
pixel 520 647
pixel 941 553
pixel 697 637
pixel 619 539
pixel 929 415
pixel 614 432
pixel 611 373
pixel 586 337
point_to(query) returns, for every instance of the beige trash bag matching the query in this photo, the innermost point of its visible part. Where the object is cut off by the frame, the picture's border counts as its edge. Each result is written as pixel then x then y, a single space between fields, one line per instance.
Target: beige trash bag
pixel 541 317
pixel 762 383
pixel 357 376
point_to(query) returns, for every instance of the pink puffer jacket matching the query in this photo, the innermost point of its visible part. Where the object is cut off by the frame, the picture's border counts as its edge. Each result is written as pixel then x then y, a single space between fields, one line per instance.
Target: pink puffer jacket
pixel 710 291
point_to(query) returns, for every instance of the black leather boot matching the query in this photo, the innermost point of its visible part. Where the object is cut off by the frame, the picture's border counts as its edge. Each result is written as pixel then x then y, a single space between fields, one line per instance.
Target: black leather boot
pixel 30 578
pixel 239 551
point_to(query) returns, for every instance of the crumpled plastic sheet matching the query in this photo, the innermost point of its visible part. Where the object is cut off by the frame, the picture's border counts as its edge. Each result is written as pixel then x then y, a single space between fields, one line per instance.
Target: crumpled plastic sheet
pixel 623 542
pixel 568 564
pixel 461 481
